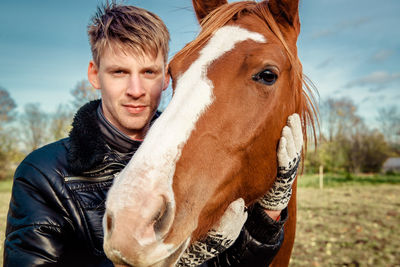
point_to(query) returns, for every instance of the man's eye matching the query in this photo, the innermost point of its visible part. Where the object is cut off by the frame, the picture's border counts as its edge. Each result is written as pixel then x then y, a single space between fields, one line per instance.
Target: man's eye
pixel 267 77
pixel 149 72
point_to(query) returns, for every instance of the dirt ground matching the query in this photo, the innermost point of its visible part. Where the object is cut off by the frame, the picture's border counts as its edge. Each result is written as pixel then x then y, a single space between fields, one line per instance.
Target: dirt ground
pixel 348 226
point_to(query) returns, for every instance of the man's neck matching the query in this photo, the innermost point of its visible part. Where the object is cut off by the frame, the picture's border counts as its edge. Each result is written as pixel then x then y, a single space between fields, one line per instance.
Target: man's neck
pixel 114 137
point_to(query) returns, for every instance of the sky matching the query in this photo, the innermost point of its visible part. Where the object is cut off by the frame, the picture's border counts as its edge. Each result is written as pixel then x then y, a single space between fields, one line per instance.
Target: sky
pixel 347 48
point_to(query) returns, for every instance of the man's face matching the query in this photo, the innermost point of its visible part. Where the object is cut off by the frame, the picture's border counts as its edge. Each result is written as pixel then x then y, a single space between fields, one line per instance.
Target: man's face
pixel 131 88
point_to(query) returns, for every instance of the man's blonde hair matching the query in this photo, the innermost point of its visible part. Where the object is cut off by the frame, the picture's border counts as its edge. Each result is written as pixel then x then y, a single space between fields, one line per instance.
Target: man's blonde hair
pixel 127 28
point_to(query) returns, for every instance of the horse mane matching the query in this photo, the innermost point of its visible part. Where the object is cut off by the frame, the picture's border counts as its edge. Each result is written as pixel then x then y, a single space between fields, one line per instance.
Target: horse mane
pixel 305 99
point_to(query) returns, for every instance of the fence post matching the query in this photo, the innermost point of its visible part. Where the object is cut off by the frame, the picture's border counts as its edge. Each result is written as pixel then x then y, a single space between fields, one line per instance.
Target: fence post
pixel 321 177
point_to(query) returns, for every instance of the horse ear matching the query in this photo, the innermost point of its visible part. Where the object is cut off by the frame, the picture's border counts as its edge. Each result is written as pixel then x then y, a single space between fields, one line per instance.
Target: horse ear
pixel 204 7
pixel 285 11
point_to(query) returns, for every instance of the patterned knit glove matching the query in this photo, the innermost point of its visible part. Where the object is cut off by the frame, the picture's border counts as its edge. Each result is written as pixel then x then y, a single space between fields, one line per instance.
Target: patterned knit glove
pixel 218 239
pixel 289 155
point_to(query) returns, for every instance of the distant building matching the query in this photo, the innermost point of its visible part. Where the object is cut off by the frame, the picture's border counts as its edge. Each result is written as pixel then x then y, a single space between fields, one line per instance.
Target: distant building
pixel 391 165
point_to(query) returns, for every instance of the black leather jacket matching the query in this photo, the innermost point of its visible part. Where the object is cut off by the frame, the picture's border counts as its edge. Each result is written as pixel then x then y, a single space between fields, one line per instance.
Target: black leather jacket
pixel 57 205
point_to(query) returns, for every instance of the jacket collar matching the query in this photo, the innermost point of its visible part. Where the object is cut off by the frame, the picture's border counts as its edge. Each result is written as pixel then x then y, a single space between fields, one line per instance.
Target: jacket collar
pixel 90 146
pixel 87 146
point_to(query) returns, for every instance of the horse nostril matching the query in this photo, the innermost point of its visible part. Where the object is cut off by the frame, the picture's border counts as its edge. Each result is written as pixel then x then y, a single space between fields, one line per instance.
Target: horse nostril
pixel 163 218
pixel 109 222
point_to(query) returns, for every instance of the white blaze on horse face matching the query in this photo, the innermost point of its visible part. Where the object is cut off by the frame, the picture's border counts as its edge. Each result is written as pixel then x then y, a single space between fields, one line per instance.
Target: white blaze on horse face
pixel 151 170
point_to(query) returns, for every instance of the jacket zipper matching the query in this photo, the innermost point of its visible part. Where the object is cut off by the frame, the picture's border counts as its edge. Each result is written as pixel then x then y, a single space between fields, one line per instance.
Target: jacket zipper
pixel 104 167
pixel 90 179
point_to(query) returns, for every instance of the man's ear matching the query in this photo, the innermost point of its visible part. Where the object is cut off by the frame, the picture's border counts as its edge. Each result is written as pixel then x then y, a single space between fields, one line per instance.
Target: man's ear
pixel 167 77
pixel 93 75
pixel 166 80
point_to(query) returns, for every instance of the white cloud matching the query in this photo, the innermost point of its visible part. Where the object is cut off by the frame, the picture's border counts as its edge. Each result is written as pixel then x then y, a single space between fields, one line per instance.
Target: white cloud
pixel 376 80
pixel 382 55
pixel 344 25
pixel 325 63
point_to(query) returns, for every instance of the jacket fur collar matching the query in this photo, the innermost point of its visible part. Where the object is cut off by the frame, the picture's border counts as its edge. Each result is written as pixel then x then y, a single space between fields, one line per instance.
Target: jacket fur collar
pixel 87 146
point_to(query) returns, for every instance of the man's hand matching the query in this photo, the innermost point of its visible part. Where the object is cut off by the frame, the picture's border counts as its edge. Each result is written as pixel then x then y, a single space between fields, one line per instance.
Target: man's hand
pixel 219 238
pixel 289 154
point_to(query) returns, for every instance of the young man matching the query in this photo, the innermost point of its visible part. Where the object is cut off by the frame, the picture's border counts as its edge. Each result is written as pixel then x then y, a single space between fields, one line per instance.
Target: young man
pixel 57 203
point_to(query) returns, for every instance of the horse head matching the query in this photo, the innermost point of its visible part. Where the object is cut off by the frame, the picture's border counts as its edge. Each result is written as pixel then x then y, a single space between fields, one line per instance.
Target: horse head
pixel 234 87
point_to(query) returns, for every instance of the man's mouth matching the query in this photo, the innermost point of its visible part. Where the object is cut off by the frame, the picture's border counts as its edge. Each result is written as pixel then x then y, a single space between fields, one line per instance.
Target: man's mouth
pixel 135 109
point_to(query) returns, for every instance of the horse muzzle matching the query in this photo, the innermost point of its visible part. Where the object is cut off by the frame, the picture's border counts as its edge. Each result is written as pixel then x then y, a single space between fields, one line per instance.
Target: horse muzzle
pixel 137 224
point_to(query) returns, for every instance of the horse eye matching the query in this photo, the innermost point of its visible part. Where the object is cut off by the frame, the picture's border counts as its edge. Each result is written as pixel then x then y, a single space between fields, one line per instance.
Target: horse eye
pixel 267 77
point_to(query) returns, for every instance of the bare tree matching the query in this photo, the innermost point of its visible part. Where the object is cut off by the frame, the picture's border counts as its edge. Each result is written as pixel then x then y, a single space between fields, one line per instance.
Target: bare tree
pixel 8 141
pixel 389 122
pixel 340 118
pixel 83 93
pixel 35 125
pixel 7 106
pixel 10 153
pixel 344 129
pixel 60 122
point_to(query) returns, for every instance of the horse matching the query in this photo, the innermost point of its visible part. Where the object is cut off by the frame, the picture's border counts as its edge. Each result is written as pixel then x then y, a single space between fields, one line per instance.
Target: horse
pixel 233 88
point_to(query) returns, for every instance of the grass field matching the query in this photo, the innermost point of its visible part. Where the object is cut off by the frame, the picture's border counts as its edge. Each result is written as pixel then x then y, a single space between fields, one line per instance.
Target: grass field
pixel 5 192
pixel 353 221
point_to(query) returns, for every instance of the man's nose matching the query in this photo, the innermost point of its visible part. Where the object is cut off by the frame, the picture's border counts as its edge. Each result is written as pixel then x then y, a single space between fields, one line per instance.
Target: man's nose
pixel 135 87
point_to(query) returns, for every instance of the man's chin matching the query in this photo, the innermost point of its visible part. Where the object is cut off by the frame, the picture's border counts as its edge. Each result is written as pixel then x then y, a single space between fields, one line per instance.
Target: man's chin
pixel 136 130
